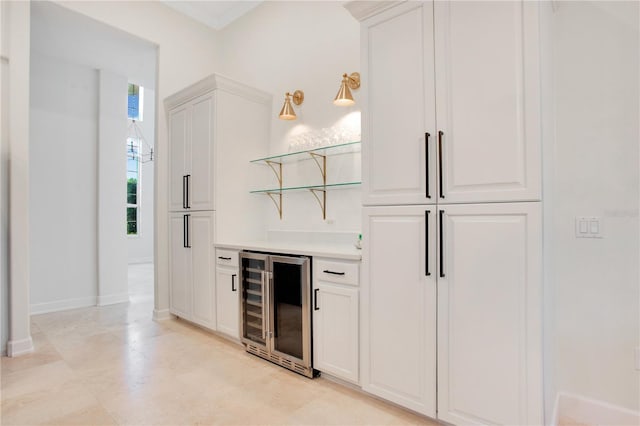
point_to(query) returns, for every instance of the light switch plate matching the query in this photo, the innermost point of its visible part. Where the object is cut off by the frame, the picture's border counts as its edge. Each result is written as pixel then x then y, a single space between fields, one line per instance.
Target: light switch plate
pixel 638 358
pixel 588 227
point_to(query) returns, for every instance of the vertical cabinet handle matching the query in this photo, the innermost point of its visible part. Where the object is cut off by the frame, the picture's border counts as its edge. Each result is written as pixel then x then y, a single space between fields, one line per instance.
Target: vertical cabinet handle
pixel 440 135
pixel 315 299
pixel 233 282
pixel 426 159
pixel 184 191
pixel 188 206
pixel 441 244
pixel 265 298
pixel 426 243
pixel 186 241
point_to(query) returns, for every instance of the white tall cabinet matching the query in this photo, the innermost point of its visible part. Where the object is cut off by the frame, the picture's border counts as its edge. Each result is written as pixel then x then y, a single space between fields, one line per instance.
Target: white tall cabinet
pixel 215 127
pixel 451 273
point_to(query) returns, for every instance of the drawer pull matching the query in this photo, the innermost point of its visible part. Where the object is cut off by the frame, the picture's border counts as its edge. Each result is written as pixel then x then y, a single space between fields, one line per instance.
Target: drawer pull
pixel 224 258
pixel 326 271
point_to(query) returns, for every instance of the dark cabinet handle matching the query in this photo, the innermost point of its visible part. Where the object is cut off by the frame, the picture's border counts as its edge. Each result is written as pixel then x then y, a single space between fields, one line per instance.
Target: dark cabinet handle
pixel 441 244
pixel 426 243
pixel 184 191
pixel 426 159
pixel 332 272
pixel 315 299
pixel 224 258
pixel 440 135
pixel 233 282
pixel 188 206
pixel 185 228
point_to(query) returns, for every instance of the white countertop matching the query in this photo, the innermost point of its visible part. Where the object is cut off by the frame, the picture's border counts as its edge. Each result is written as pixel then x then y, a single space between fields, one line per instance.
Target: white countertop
pixel 336 251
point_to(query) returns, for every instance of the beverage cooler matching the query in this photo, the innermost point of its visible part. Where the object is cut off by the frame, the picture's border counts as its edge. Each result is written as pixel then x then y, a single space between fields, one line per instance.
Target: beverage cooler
pixel 275 309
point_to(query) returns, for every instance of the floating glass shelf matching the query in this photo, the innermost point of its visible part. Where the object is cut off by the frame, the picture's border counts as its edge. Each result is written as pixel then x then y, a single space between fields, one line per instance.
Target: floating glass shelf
pixel 298 188
pixel 319 155
pixel 343 148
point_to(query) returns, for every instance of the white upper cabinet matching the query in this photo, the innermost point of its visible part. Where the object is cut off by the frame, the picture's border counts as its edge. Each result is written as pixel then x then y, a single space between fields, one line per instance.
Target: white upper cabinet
pixel 452 103
pixel 191 146
pixel 200 183
pixel 179 160
pixel 488 100
pixel 398 157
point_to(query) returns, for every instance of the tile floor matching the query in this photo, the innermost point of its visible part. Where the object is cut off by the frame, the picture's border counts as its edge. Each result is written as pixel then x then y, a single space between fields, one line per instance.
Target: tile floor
pixel 114 365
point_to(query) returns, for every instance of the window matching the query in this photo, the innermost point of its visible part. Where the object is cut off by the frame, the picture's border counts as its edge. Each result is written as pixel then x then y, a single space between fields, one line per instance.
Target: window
pixel 133 187
pixel 136 96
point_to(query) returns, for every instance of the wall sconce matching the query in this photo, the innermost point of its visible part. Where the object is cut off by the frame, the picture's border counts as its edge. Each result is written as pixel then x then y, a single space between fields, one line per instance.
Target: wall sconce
pixel 287 112
pixel 344 97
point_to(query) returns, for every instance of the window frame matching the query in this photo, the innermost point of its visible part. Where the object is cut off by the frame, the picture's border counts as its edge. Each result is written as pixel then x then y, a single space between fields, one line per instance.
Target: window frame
pixel 137 205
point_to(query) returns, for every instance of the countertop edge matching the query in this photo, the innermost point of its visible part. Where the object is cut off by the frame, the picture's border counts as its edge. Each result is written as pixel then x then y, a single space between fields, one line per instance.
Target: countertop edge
pixel 337 252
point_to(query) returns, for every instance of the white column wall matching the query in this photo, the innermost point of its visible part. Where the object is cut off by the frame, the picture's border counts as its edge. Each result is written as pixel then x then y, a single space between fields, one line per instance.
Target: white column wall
pixel 112 183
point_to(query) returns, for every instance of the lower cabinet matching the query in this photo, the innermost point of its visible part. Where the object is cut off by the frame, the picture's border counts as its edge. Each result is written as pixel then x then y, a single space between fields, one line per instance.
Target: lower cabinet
pixel 227 294
pixel 465 279
pixel 336 318
pixel 191 294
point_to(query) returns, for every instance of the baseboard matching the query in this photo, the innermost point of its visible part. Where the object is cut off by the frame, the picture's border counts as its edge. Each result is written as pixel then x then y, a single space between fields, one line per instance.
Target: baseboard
pixel 62 305
pixel 576 409
pixel 19 347
pixel 136 260
pixel 161 315
pixel 112 299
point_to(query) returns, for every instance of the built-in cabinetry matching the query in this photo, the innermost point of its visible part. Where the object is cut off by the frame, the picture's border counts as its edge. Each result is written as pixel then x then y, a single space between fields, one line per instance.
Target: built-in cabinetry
pixel 336 318
pixel 215 127
pixel 191 267
pixel 451 226
pixel 227 295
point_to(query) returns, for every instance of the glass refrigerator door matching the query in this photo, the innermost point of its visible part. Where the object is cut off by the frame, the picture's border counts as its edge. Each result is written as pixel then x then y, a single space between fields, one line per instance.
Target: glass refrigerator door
pixel 290 307
pixel 253 284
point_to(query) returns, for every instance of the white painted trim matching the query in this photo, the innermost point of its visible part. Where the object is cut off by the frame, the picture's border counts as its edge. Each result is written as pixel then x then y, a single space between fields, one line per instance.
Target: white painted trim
pixel 19 347
pixel 62 305
pixel 137 260
pixel 214 82
pixel 161 315
pixel 362 10
pixel 112 299
pixel 587 411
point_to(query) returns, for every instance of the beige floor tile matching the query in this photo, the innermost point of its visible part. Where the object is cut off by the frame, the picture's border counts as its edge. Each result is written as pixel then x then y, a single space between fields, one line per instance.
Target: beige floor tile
pixel 114 365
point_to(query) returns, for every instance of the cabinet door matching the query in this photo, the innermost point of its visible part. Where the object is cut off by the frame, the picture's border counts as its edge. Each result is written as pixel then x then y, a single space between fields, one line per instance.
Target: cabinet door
pixel 488 100
pixel 399 306
pixel 202 174
pixel 228 302
pixel 335 330
pixel 201 239
pixel 398 156
pixel 489 315
pixel 179 266
pixel 179 154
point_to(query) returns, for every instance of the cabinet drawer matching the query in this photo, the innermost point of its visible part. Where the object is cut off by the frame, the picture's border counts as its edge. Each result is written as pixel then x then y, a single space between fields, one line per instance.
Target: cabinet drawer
pixel 227 257
pixel 337 271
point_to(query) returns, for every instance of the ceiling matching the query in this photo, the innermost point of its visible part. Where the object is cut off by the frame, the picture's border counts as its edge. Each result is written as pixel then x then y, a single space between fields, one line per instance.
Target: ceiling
pixel 215 14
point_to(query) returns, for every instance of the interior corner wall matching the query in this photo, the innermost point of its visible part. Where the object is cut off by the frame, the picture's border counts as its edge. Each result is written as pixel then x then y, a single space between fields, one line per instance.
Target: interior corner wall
pixel 283 46
pixel 63 185
pixel 182 60
pixel 140 247
pixel 111 189
pixel 4 181
pixel 595 173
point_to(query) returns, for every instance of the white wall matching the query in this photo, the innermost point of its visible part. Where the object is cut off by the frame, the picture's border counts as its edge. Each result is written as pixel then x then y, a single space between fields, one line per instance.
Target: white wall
pixel 112 184
pixel 595 173
pixel 63 184
pixel 4 181
pixel 187 53
pixel 284 46
pixel 140 247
